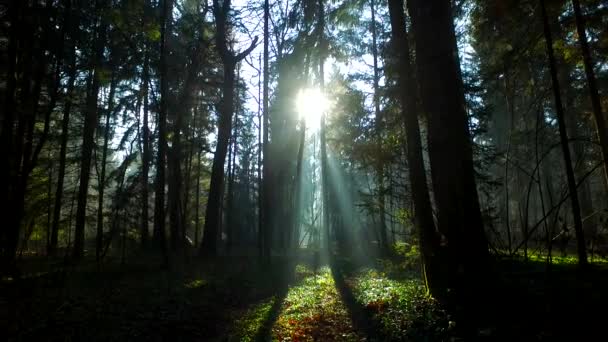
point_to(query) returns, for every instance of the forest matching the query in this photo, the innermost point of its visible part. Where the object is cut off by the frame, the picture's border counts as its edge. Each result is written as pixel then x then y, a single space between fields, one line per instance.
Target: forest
pixel 303 170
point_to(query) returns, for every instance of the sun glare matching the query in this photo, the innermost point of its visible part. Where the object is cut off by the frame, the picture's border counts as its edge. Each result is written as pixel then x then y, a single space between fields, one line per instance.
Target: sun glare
pixel 311 104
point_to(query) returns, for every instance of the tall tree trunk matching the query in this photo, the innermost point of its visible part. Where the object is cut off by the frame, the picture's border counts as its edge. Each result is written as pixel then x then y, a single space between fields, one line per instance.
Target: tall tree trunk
pixel 423 213
pixel 266 179
pixel 197 220
pixel 449 140
pixel 324 172
pixel 7 151
pixel 226 109
pixel 146 155
pixel 260 148
pixel 379 128
pixel 88 137
pixel 159 199
pixel 102 176
pixel 559 111
pixel 65 125
pixel 602 130
pixel 231 173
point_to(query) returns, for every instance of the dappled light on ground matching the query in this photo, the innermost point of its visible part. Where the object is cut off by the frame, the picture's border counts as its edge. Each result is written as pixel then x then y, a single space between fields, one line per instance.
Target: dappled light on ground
pixel 401 309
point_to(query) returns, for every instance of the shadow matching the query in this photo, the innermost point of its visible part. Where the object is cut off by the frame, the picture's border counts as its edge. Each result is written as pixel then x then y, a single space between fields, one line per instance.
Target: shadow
pixel 286 276
pixel 361 318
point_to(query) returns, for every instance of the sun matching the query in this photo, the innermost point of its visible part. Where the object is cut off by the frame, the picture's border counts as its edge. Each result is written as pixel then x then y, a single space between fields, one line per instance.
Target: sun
pixel 311 104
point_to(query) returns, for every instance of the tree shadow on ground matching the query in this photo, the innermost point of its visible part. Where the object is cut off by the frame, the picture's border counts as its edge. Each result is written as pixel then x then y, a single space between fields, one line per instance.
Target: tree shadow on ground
pixel 360 317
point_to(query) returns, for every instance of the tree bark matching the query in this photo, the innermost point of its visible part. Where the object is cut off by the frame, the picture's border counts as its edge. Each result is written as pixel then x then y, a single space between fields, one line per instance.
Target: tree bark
pixel 65 125
pixel 226 110
pixel 159 199
pixel 88 137
pixel 146 155
pixel 423 212
pixel 102 176
pixel 559 111
pixel 379 128
pixel 449 140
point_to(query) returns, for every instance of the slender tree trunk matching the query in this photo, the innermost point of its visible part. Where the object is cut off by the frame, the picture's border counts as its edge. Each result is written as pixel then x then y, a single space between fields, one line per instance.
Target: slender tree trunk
pixel 559 111
pixel 146 155
pixel 65 125
pixel 324 172
pixel 102 176
pixel 231 173
pixel 265 212
pixel 260 147
pixel 379 129
pixel 602 130
pixel 159 199
pixel 88 137
pixel 423 213
pixel 197 220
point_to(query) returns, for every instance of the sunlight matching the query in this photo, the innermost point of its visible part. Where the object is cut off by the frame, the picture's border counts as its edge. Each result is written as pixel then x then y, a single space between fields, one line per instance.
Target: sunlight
pixel 311 104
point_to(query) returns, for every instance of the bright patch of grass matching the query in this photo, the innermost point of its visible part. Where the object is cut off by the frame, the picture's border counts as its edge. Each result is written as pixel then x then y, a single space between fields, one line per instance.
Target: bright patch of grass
pixel 250 325
pixel 313 310
pixel 402 309
pixel 195 284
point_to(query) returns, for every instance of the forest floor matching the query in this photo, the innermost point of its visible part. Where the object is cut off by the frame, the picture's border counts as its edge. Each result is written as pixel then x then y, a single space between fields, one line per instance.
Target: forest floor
pixel 236 299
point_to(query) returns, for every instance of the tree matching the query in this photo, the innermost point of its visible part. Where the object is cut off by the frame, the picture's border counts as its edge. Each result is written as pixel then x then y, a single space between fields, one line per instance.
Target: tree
pixel 449 142
pixel 90 122
pixel 559 111
pixel 159 199
pixel 423 214
pixel 601 129
pixel 230 60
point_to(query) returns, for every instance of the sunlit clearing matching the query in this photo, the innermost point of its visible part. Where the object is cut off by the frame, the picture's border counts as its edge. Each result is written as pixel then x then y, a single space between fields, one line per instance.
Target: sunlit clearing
pixel 311 104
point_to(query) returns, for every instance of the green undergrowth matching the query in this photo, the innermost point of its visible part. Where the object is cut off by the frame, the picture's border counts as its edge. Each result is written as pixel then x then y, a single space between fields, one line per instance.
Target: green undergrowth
pixel 401 309
pixel 313 310
pixel 556 259
pixel 310 310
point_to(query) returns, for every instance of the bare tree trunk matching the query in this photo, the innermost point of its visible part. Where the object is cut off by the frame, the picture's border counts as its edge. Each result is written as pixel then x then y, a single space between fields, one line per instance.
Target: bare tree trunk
pixel 559 111
pixel 102 177
pixel 88 137
pixel 379 129
pixel 65 125
pixel 146 155
pixel 160 238
pixel 265 212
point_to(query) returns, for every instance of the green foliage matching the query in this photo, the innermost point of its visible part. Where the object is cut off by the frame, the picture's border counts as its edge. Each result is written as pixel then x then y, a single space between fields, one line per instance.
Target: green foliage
pixel 196 283
pixel 402 309
pixel 314 308
pixel 247 327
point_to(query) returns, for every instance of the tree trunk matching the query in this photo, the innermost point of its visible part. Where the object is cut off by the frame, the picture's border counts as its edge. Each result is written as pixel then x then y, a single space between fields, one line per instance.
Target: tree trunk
pixel 226 110
pixel 324 172
pixel 88 137
pixel 146 157
pixel 266 179
pixel 159 199
pixel 379 128
pixel 449 140
pixel 65 125
pixel 423 212
pixel 559 111
pixel 602 130
pixel 102 176
pixel 209 245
